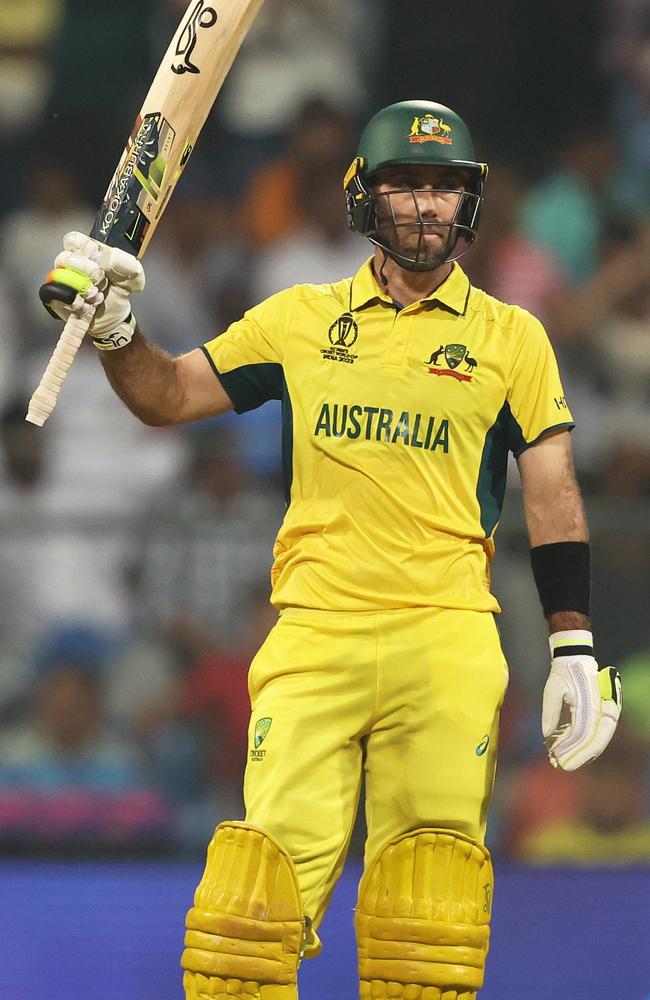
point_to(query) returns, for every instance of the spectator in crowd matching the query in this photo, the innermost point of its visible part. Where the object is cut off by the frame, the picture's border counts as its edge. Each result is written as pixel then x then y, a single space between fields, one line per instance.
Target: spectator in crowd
pixel 319 52
pixel 66 492
pixel 31 233
pixel 56 560
pixel 601 328
pixel 631 122
pixel 194 253
pixel 177 748
pixel 194 730
pixel 214 693
pixel 320 135
pixel 297 50
pixel 611 826
pixel 144 674
pixel 200 264
pixel 213 702
pixel 322 249
pixel 204 544
pixel 65 774
pixel 626 61
pixel 100 462
pixel 505 262
pixel 566 211
pixel 531 796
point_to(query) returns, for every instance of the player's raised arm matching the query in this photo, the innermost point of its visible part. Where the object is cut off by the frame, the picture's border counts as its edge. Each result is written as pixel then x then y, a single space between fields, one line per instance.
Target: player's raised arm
pixel 162 390
pixel 96 281
pixel 176 106
pixel 560 559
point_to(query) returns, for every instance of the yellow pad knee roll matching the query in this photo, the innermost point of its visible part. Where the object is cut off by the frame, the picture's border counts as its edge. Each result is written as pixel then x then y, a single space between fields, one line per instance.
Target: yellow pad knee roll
pixel 246 931
pixel 422 918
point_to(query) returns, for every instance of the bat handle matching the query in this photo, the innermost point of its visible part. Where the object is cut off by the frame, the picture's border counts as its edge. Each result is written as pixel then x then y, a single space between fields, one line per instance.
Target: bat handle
pixel 45 396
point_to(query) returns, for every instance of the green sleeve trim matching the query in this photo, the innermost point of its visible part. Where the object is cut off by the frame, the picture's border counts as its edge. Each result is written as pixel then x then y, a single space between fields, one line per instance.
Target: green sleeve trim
pixel 249 386
pixel 568 426
pixel 504 435
pixel 241 397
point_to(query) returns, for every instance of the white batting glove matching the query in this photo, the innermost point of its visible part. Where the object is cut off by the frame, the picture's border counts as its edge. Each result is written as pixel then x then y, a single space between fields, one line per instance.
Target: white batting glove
pixel 95 281
pixel 593 698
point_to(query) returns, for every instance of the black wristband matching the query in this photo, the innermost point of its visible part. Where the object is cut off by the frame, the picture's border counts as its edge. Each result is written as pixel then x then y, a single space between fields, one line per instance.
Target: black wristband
pixel 562 576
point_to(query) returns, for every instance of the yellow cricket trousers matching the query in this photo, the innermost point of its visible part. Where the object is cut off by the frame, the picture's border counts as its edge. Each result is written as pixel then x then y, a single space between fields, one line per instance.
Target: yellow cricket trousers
pixel 411 695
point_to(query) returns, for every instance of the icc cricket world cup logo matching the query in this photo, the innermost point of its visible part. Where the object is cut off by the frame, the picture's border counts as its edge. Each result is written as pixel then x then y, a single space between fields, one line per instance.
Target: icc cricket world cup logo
pixel 201 16
pixel 344 332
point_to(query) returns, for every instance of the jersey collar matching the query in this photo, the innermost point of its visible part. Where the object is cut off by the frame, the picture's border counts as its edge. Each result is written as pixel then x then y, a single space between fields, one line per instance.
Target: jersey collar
pixel 452 294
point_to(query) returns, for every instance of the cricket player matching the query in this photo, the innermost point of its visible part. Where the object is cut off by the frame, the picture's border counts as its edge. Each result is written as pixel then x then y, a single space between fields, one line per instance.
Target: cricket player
pixel 403 389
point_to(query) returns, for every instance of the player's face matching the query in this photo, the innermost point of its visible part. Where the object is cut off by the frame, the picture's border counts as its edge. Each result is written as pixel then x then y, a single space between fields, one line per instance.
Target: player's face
pixel 415 208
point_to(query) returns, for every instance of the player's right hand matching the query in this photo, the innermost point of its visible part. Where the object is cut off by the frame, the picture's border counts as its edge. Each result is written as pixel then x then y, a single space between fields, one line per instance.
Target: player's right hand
pixel 94 281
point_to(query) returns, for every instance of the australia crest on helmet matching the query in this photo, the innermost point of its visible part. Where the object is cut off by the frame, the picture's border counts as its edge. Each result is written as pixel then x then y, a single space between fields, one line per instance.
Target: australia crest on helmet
pixel 431 128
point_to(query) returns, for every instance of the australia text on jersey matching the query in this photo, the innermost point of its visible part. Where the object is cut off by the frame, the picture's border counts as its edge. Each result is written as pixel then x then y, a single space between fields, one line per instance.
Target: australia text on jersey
pixel 376 423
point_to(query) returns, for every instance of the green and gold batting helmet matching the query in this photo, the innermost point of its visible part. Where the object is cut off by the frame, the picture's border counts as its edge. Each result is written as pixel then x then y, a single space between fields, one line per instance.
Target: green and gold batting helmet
pixel 415 133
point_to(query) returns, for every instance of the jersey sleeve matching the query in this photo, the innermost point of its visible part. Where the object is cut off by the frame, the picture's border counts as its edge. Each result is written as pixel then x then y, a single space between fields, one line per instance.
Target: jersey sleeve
pixel 535 394
pixel 248 358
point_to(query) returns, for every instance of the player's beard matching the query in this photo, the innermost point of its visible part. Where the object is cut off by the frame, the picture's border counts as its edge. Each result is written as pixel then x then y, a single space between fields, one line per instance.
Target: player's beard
pixel 412 249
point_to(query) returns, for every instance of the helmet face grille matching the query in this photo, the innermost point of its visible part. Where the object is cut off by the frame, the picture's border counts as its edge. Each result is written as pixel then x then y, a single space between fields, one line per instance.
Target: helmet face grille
pixel 378 217
pixel 392 230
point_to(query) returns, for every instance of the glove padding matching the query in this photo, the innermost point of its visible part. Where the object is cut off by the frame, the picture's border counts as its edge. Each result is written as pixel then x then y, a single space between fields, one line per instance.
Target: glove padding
pixel 592 695
pixel 103 277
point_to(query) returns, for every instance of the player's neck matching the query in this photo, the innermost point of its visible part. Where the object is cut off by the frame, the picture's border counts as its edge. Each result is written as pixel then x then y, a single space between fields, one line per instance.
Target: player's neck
pixel 405 286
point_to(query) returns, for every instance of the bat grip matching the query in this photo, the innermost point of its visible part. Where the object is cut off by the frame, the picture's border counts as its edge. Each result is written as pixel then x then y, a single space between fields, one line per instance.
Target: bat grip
pixel 45 396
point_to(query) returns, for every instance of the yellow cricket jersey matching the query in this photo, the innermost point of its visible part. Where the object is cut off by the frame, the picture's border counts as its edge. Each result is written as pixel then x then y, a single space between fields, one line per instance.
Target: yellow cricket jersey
pixel 397 427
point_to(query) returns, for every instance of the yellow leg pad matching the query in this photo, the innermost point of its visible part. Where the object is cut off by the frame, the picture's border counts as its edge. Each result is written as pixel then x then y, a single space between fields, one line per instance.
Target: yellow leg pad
pixel 422 918
pixel 246 931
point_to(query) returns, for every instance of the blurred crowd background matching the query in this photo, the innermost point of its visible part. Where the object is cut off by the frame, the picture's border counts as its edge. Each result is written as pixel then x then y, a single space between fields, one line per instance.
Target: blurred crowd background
pixel 134 562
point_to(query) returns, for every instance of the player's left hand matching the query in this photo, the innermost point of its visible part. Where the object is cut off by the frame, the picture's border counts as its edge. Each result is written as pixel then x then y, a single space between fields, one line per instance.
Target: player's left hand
pixel 95 282
pixel 591 694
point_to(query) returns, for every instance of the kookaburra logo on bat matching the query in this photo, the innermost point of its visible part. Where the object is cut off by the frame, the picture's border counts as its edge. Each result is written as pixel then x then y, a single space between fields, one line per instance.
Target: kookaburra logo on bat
pixel 201 16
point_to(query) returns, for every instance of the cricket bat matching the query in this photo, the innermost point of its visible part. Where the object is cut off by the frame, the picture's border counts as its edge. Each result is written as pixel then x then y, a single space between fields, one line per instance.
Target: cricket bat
pixel 183 91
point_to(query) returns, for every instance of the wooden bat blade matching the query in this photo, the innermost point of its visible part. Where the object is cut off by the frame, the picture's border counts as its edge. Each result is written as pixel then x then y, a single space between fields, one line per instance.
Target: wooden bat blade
pixel 190 76
pixel 184 89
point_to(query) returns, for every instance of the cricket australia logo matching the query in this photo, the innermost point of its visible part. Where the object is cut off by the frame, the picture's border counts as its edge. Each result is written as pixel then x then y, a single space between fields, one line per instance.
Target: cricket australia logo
pixel 262 727
pixel 343 335
pixel 431 128
pixel 455 355
pixel 201 16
